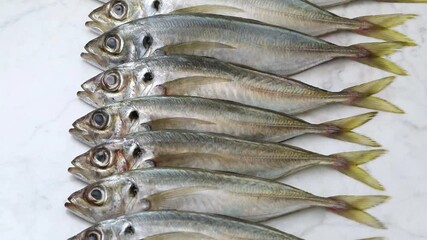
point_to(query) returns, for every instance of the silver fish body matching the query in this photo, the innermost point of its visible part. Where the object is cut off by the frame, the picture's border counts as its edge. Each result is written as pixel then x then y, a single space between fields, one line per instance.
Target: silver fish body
pixel 205 115
pixel 211 78
pixel 210 151
pixel 198 150
pixel 241 41
pixel 196 190
pixel 179 225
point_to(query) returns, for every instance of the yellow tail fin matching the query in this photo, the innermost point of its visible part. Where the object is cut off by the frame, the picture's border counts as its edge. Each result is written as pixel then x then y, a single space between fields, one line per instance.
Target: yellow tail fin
pixel 360 96
pixel 377 26
pixel 403 1
pixel 347 163
pixel 371 54
pixel 352 207
pixel 341 129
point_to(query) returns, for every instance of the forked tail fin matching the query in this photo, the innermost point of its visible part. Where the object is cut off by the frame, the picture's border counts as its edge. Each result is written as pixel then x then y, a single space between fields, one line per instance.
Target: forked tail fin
pixel 352 207
pixel 377 26
pixel 341 129
pixel 347 163
pixel 360 96
pixel 403 1
pixel 332 3
pixel 371 54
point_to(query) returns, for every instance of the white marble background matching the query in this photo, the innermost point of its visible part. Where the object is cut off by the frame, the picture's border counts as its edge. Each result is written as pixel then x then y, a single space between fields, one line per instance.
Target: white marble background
pixel 41 70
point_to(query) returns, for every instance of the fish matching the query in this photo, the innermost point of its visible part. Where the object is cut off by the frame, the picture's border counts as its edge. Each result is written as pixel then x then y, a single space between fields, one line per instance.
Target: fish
pixel 151 225
pixel 207 115
pixel 214 152
pixel 211 78
pixel 236 40
pixel 320 3
pixel 297 15
pixel 229 194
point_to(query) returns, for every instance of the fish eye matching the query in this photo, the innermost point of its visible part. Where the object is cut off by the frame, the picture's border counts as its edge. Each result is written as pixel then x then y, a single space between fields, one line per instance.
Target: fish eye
pixel 101 158
pixel 96 196
pixel 147 42
pixel 111 81
pixel 113 44
pixel 156 5
pixel 119 10
pixel 93 235
pixel 99 119
pixel 148 76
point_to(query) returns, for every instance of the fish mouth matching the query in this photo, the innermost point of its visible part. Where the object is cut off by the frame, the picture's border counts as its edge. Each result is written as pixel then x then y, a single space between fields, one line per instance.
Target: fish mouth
pixel 89 98
pixel 94 60
pixel 79 173
pixel 77 210
pixel 95 27
pixel 81 135
pixel 91 57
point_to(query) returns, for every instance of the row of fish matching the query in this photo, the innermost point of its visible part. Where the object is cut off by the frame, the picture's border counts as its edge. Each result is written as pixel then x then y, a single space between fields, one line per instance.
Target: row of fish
pixel 193 109
pixel 297 15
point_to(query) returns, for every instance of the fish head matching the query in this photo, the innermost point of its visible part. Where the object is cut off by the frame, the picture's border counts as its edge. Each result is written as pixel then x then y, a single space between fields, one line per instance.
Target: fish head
pixel 108 87
pixel 92 233
pixel 99 125
pixel 114 229
pixel 112 122
pixel 116 84
pixel 106 199
pixel 115 13
pixel 125 43
pixel 114 157
pixel 99 162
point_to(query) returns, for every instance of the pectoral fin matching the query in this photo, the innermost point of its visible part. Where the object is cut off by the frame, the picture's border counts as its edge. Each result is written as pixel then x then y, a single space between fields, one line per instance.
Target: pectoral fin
pixel 190 48
pixel 218 9
pixel 183 86
pixel 176 198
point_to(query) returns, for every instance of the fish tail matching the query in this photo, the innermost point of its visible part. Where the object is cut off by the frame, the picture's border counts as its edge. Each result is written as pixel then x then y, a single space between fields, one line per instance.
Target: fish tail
pixel 341 129
pixel 377 26
pixel 352 207
pixel 347 163
pixel 371 54
pixel 403 1
pixel 360 96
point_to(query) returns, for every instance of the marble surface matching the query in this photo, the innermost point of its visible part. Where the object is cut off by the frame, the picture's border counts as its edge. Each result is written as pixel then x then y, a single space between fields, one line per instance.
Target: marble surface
pixel 41 71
